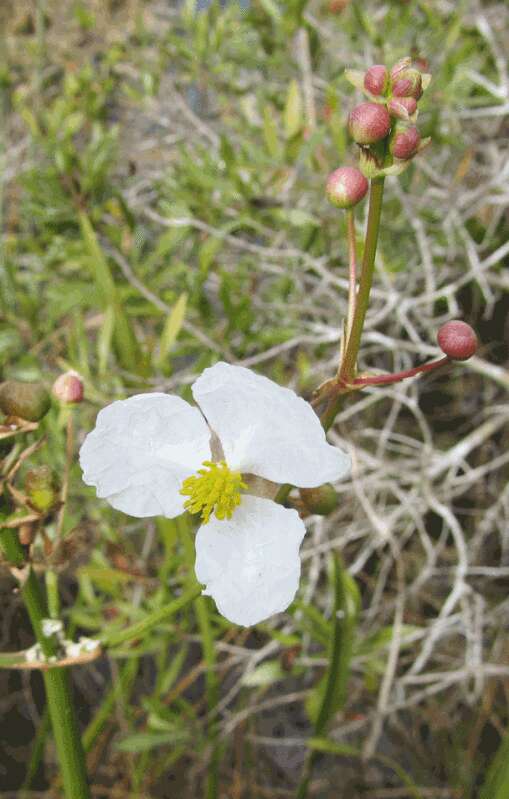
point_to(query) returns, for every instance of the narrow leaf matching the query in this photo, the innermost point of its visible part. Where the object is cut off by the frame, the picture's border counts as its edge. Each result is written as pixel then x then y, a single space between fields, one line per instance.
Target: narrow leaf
pixel 105 338
pixel 293 115
pixel 172 328
pixel 97 261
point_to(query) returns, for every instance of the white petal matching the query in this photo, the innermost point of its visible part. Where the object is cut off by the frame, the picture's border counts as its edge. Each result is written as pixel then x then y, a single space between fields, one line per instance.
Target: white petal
pixel 266 429
pixel 250 563
pixel 141 450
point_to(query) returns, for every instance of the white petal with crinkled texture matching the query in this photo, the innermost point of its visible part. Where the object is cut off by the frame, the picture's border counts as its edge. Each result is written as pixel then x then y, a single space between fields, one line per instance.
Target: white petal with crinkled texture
pixel 266 429
pixel 141 450
pixel 250 563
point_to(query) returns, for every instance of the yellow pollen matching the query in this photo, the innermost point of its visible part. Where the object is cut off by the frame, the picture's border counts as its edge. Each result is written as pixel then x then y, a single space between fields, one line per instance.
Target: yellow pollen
pixel 214 489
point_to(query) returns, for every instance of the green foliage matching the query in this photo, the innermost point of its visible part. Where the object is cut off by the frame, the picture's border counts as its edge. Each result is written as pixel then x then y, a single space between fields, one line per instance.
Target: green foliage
pixel 496 784
pixel 329 696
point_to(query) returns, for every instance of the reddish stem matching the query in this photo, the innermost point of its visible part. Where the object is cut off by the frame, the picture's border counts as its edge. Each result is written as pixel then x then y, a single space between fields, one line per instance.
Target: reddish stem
pixel 395 378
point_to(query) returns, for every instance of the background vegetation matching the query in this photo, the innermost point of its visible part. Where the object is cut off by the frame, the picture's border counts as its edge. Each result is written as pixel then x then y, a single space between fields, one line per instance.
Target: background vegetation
pixel 162 201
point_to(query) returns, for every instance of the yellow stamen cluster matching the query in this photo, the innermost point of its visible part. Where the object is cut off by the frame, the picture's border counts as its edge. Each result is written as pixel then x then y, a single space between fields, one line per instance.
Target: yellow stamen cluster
pixel 215 489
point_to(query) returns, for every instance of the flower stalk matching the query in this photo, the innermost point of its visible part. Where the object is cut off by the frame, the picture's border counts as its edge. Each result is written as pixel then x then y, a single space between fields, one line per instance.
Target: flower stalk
pixel 56 681
pixel 352 269
pixel 384 380
pixel 348 365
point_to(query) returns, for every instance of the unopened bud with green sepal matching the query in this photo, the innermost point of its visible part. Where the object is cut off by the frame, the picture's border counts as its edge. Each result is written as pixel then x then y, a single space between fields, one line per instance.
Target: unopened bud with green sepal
pixel 408 83
pixel 29 401
pixel 404 142
pixel 399 66
pixel 402 107
pixel 376 79
pixel 321 501
pixel 41 488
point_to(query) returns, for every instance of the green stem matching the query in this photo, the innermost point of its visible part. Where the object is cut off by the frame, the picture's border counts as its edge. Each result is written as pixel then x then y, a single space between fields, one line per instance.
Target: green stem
pixel 357 304
pixel 352 269
pixel 336 680
pixel 56 681
pixel 51 579
pixel 349 361
pixel 348 365
pixel 209 656
pixel 152 620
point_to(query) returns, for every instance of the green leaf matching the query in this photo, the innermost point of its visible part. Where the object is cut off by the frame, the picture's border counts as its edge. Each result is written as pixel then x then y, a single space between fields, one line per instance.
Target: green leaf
pixel 382 638
pixel 355 77
pixel 97 261
pixel 297 217
pixel 126 345
pixel 106 578
pixel 336 748
pixel 208 251
pixel 496 785
pixel 266 673
pixel 270 132
pixel 314 622
pixel 105 338
pixel 293 116
pixel 330 694
pixel 172 328
pixel 145 741
pixel 271 9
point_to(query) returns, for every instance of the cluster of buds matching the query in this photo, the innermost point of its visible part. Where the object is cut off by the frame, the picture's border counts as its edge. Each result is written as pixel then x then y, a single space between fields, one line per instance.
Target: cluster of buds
pixel 385 126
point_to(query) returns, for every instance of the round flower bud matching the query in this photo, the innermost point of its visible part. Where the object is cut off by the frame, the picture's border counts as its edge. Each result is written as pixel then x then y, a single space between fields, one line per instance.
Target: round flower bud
pixel 399 66
pixel 346 187
pixel 337 6
pixel 405 143
pixel 41 488
pixel 457 340
pixel 408 84
pixel 29 401
pixel 369 123
pixel 376 79
pixel 321 501
pixel 402 107
pixel 68 387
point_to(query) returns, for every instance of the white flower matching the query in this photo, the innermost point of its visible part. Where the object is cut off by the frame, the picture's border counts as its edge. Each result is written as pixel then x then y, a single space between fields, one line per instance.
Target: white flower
pixel 151 451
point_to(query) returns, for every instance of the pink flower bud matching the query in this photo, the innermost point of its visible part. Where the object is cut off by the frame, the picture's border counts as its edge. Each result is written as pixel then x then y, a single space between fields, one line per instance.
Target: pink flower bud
pixel 337 6
pixel 369 123
pixel 408 83
pixel 457 340
pixel 402 107
pixel 346 187
pixel 376 79
pixel 68 387
pixel 405 143
pixel 399 66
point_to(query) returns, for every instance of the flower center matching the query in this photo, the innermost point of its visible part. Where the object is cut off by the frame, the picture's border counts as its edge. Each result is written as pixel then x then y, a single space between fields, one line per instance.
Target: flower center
pixel 214 489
